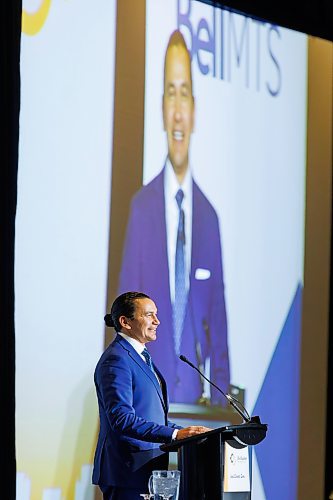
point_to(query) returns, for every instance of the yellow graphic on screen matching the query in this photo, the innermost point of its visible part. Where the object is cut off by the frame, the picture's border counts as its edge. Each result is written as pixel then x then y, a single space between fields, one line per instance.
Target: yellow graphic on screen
pixel 58 465
pixel 32 22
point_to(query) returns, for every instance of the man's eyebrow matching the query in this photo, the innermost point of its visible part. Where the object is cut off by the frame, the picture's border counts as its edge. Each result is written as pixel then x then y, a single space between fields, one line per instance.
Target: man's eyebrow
pixel 186 85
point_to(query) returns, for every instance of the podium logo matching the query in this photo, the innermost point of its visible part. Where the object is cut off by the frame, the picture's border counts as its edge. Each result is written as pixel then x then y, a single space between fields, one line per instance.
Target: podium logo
pixel 232 47
pixel 237 459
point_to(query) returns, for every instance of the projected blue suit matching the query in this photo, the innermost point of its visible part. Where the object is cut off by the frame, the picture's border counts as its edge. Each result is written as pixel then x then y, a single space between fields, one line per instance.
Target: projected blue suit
pixel 133 410
pixel 145 267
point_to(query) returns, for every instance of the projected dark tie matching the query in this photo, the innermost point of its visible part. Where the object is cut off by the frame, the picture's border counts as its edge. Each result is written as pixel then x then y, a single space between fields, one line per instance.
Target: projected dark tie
pixel 147 357
pixel 180 288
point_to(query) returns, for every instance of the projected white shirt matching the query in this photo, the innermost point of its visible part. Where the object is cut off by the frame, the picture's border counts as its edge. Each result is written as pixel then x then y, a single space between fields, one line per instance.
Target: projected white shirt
pixel 171 186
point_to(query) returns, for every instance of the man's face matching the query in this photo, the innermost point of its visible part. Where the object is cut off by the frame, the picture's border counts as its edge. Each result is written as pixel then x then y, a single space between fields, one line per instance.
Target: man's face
pixel 178 107
pixel 145 322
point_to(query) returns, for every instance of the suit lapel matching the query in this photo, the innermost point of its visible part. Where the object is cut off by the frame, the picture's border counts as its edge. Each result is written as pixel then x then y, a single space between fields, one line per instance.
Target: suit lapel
pixel 196 231
pixel 162 247
pixel 163 388
pixel 197 245
pixel 136 358
pixel 157 275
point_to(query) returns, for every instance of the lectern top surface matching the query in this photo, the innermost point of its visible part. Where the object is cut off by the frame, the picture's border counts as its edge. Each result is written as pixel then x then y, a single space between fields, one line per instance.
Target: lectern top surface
pixel 244 434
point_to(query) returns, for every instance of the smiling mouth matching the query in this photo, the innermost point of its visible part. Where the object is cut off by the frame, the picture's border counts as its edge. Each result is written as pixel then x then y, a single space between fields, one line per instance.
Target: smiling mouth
pixel 178 135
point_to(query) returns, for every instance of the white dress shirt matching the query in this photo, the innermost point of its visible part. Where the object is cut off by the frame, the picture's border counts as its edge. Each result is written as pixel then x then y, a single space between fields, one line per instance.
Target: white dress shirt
pixel 137 346
pixel 171 186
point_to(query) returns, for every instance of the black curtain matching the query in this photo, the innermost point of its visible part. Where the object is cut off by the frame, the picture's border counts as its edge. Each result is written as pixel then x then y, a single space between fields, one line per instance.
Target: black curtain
pixel 10 33
pixel 313 18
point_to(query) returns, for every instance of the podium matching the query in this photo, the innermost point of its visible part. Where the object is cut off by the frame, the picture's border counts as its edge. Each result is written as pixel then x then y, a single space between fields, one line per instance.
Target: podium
pixel 217 465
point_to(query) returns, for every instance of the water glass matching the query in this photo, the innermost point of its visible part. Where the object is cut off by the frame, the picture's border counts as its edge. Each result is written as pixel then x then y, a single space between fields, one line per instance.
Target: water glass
pixel 165 484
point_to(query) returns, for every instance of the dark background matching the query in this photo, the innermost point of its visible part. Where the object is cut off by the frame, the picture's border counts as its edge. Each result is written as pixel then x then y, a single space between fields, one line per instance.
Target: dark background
pixel 313 18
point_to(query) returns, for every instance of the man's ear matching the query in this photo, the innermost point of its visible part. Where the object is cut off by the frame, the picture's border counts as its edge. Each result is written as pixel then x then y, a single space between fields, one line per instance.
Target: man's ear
pixel 193 115
pixel 124 322
pixel 164 127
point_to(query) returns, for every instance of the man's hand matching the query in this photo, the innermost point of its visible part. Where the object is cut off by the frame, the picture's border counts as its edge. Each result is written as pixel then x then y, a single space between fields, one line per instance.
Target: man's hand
pixel 191 431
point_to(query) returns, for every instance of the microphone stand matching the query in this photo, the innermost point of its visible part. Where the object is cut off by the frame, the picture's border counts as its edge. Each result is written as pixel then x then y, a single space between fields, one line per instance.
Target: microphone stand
pixel 237 405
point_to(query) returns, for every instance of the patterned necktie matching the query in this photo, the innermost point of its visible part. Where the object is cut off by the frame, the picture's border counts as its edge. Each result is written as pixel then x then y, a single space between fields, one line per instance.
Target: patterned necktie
pixel 180 289
pixel 145 353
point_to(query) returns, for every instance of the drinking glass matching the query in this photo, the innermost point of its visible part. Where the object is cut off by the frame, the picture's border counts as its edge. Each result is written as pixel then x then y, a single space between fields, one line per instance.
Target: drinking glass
pixel 165 483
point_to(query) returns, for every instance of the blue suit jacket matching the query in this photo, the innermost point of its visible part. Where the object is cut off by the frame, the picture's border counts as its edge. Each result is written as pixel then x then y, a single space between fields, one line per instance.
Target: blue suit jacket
pixel 133 409
pixel 145 268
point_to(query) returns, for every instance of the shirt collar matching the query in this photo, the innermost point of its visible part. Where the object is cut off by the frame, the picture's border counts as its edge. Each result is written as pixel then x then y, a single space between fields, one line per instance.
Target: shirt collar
pixel 137 346
pixel 172 183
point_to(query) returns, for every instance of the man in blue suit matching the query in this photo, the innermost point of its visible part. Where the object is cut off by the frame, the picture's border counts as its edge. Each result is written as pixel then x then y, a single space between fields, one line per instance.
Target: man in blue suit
pixel 133 403
pixel 173 251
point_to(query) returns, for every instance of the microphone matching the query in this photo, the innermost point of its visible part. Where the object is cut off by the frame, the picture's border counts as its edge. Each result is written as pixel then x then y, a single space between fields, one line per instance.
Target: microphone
pixel 237 405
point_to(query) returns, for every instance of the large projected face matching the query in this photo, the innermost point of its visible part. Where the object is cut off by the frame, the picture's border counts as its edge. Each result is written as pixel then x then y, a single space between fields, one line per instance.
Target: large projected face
pixel 178 104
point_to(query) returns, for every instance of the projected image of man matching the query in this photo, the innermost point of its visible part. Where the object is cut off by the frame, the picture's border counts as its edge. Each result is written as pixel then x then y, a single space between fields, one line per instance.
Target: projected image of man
pixel 173 250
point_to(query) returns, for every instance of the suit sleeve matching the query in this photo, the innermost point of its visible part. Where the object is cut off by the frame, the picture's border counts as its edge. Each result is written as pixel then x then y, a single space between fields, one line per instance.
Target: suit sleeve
pixel 174 426
pixel 115 388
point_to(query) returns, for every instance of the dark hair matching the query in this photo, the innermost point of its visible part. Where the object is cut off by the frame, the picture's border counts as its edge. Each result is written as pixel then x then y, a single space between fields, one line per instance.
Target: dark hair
pixel 177 40
pixel 124 305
